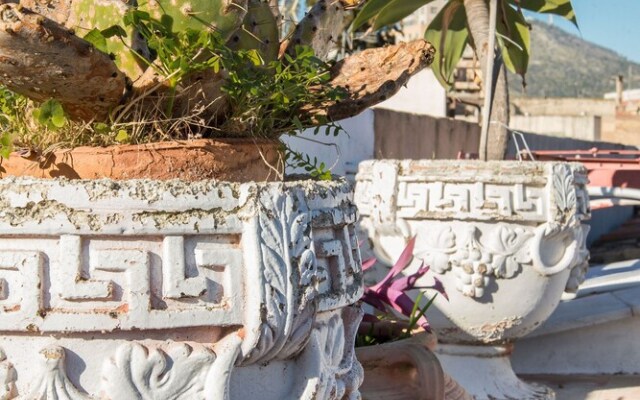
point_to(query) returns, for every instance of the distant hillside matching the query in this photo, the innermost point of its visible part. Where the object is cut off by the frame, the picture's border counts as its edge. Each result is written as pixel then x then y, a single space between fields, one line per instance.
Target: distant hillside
pixel 564 65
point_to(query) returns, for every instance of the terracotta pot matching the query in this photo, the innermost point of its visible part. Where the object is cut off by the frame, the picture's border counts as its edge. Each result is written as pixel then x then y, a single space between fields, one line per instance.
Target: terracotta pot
pixel 237 160
pixel 405 369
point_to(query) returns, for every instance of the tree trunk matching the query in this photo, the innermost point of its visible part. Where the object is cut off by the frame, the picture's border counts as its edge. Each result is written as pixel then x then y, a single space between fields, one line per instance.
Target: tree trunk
pixel 478 20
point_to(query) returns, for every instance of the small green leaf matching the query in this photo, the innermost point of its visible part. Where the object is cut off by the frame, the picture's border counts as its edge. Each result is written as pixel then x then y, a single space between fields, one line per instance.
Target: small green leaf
pixel 122 136
pixel 396 10
pixel 114 30
pixel 101 127
pixel 167 22
pixel 58 120
pixel 449 34
pixel 50 114
pixel 97 39
pixel 254 57
pixel 562 8
pixel 515 48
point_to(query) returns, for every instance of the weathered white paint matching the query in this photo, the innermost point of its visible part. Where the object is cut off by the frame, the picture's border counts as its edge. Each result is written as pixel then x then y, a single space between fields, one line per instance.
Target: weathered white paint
pixel 505 238
pixel 174 290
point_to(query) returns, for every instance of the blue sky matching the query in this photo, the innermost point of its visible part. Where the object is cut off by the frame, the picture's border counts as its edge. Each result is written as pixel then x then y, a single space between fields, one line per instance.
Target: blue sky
pixel 614 24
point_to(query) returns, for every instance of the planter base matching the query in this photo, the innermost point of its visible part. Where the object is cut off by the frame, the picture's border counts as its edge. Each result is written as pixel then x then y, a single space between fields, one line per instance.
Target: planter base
pixel 486 373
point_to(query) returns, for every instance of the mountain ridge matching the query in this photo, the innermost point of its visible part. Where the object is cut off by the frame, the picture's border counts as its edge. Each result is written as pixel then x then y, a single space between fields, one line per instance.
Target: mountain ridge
pixel 565 65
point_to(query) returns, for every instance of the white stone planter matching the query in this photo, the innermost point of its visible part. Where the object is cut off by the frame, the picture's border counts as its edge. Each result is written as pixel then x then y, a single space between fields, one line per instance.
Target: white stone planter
pixel 171 290
pixel 504 237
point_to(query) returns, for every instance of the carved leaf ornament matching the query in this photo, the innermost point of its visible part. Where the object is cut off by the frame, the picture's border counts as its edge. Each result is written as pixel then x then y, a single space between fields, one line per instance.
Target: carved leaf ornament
pixel 289 275
pixel 475 258
pixel 138 372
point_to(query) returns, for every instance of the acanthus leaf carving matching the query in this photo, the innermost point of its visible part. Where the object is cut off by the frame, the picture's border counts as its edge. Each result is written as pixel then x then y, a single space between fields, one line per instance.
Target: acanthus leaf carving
pixel 331 350
pixel 141 372
pixel 564 192
pixel 509 251
pixel 290 277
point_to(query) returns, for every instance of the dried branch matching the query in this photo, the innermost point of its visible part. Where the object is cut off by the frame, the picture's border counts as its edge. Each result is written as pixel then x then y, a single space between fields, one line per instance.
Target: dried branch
pixel 41 59
pixel 372 76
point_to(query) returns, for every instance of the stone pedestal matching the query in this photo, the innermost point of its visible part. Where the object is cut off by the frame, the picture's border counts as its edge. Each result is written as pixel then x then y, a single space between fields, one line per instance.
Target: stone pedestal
pixel 172 290
pixel 505 238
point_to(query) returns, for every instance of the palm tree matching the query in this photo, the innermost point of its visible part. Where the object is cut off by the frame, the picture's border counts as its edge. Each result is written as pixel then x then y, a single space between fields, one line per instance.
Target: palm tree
pixel 466 22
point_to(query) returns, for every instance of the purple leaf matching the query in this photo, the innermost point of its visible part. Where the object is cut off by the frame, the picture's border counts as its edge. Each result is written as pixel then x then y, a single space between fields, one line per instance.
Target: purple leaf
pixel 374 299
pixel 408 282
pixel 366 264
pixel 402 262
pixel 390 292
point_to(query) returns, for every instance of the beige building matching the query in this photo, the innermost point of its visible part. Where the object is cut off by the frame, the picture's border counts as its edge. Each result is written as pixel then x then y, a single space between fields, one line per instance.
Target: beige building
pixel 415 24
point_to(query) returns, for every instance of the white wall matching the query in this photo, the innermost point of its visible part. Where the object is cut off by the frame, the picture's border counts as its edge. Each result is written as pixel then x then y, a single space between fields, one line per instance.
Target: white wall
pixel 587 127
pixel 351 147
pixel 422 95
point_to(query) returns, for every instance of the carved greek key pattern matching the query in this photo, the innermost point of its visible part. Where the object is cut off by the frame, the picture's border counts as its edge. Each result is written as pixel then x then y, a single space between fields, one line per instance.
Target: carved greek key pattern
pixel 102 284
pixel 338 258
pixel 476 200
pixel 22 294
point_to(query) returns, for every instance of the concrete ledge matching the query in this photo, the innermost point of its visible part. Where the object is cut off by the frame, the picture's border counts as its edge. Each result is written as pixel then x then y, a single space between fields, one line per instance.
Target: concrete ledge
pixel 611 277
pixel 584 312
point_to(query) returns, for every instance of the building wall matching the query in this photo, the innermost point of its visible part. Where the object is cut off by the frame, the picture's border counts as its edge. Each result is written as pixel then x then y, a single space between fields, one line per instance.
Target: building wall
pixel 382 133
pixel 403 135
pixel 423 95
pixel 578 127
pixel 345 151
pixel 622 129
pixel 562 106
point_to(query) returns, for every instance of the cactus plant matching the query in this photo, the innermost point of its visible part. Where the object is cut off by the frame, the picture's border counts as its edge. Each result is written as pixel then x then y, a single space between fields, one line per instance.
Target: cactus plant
pixel 259 31
pixel 101 80
pixel 322 25
pixel 223 16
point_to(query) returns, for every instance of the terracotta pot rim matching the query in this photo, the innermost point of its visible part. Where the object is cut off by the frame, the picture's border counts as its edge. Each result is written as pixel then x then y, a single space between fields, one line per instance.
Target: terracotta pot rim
pixel 231 160
pixel 163 145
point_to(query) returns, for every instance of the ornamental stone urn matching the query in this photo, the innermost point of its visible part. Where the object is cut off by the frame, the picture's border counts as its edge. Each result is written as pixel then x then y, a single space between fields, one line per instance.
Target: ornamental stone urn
pixel 506 240
pixel 144 289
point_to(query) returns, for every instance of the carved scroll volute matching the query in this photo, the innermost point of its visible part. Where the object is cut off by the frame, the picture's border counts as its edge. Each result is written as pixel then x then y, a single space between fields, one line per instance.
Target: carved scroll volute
pixel 287 282
pixel 558 244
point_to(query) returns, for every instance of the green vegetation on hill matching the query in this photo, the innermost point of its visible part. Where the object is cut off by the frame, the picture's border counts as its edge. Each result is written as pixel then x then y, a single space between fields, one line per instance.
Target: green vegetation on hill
pixel 564 65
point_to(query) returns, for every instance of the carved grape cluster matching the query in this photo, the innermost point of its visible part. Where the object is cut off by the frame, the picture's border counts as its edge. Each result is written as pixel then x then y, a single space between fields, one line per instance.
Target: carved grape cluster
pixel 472 268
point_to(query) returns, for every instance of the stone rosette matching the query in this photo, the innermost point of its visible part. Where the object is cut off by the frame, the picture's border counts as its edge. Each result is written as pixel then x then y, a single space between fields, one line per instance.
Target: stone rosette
pixel 174 290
